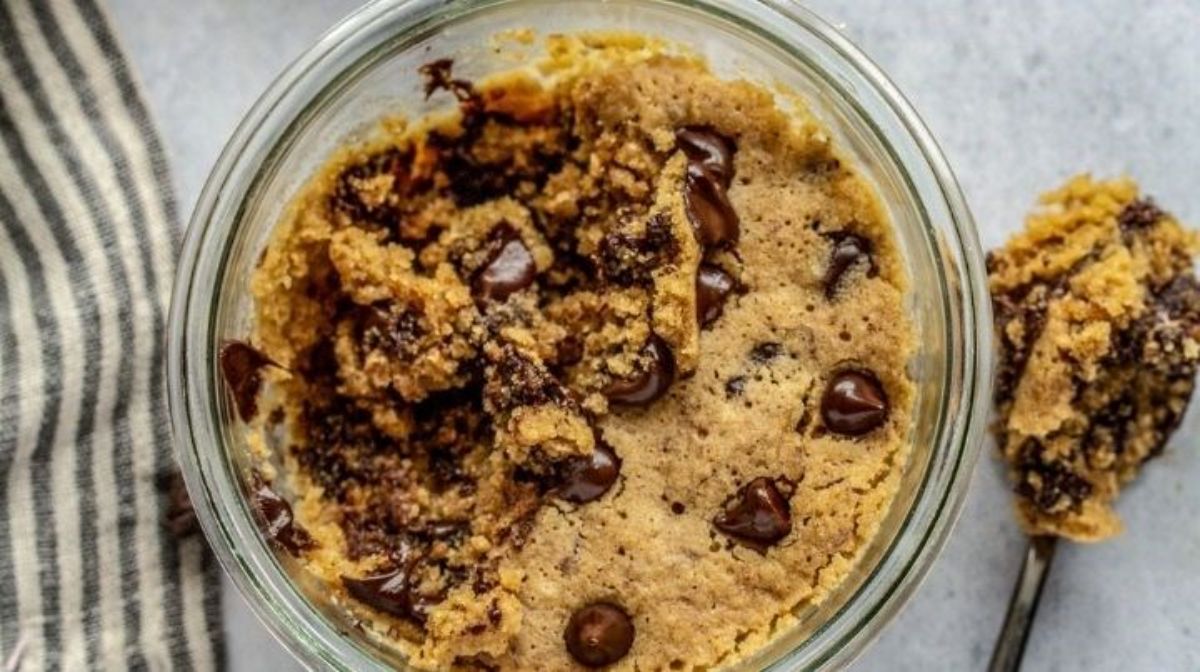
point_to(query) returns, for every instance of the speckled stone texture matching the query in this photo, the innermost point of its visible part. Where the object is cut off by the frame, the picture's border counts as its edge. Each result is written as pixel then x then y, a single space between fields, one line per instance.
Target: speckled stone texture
pixel 1020 95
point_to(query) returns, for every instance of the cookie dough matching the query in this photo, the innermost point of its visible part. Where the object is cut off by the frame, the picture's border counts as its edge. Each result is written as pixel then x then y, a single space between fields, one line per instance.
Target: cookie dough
pixel 1098 318
pixel 607 368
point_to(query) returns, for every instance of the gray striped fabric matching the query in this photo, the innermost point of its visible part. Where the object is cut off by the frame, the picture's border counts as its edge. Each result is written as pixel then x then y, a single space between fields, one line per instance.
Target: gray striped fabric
pixel 89 576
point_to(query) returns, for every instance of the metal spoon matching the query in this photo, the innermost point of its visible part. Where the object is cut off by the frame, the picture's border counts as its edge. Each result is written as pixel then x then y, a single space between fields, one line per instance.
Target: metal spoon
pixel 1010 645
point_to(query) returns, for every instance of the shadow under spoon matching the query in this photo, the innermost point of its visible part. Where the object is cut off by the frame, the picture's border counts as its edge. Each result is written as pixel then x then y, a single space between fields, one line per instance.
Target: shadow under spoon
pixel 1022 608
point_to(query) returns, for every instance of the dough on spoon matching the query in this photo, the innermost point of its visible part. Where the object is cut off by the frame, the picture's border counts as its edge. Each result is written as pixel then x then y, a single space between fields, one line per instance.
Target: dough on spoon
pixel 1097 316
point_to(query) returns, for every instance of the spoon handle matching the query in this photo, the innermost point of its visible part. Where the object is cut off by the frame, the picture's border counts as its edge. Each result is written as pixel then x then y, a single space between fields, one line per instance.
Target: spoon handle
pixel 1022 608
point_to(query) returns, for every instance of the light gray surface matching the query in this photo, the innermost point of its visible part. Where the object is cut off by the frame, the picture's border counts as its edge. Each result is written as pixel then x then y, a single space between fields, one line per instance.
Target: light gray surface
pixel 1020 95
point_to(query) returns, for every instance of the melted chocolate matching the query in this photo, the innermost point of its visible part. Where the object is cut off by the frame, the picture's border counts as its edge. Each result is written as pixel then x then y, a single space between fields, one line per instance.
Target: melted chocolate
pixel 599 634
pixel 241 366
pixel 650 384
pixel 709 150
pixel 713 287
pixel 587 479
pixel 706 181
pixel 393 592
pixel 438 74
pixel 569 351
pixel 509 269
pixel 1049 484
pixel 708 208
pixel 277 520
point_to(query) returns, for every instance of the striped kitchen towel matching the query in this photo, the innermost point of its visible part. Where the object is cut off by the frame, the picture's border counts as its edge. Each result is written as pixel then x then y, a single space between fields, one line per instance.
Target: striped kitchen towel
pixel 90 577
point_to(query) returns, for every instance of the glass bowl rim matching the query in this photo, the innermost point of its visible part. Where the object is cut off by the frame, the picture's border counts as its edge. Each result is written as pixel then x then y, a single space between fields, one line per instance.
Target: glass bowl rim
pixel 313 639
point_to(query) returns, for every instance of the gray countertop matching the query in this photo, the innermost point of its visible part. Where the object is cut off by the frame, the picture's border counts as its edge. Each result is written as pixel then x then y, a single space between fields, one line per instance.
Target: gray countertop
pixel 1020 94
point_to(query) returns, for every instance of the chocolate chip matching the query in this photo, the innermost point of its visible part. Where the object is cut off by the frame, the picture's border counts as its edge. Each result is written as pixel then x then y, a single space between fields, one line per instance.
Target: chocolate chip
pixel 509 269
pixel 278 522
pixel 708 208
pixel 587 479
pixel 766 351
pixel 626 259
pixel 393 330
pixel 713 287
pixel 568 351
pixel 599 634
pixel 515 379
pixel 1139 214
pixel 735 386
pixel 706 180
pixel 1049 484
pixel 708 149
pixel 651 383
pixel 348 197
pixel 849 250
pixel 1057 489
pixel 678 508
pixel 1027 307
pixel 392 592
pixel 854 403
pixel 484 580
pixel 241 366
pixel 757 516
pixel 441 530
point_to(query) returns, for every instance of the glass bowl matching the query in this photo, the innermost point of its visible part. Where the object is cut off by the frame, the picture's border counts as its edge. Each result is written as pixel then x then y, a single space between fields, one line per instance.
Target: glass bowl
pixel 366 67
